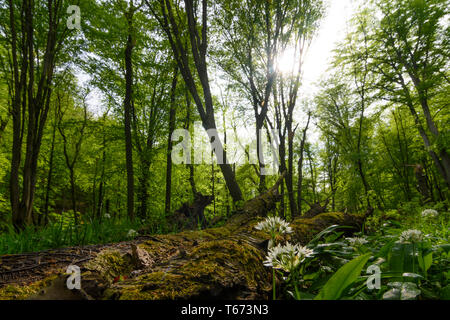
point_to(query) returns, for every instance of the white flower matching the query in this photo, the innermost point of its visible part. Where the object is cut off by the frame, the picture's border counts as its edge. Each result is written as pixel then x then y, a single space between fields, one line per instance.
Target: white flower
pixel 427 213
pixel 132 233
pixel 356 242
pixel 274 226
pixel 107 216
pixel 287 257
pixel 327 269
pixel 411 236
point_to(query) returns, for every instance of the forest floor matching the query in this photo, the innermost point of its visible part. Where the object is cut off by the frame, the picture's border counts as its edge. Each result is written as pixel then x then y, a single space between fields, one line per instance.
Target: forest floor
pixel 26 268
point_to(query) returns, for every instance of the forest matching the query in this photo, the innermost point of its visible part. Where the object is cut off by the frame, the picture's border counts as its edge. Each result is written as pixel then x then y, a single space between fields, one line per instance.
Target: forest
pixel 178 149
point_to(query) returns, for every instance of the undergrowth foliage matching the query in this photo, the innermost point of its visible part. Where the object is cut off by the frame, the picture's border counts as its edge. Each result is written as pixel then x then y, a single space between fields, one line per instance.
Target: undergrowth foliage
pixel 412 260
pixel 62 232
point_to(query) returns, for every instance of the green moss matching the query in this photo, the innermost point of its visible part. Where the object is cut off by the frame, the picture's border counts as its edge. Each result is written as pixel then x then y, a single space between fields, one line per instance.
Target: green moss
pixel 212 265
pixel 22 292
pixel 306 228
pixel 110 264
pixel 155 286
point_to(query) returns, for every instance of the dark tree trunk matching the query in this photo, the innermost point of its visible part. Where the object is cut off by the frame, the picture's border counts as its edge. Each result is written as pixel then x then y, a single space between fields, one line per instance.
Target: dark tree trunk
pixel 187 127
pixel 143 195
pixel 300 168
pixel 290 170
pixel 50 174
pixel 128 112
pixel 172 118
pixel 31 98
pixel 442 168
pixel 102 181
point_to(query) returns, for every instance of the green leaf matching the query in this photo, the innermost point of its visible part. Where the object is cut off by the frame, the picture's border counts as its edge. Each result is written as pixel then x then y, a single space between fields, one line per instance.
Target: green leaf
pixel 400 258
pixel 445 293
pixel 426 261
pixel 384 251
pixel 327 231
pixel 343 278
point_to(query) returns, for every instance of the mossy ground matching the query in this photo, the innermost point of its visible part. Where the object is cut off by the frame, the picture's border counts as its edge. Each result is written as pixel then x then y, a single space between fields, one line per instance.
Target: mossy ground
pixel 22 292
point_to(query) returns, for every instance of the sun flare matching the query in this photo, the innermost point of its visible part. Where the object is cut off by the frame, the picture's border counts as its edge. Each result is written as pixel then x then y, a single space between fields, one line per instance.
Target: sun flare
pixel 288 62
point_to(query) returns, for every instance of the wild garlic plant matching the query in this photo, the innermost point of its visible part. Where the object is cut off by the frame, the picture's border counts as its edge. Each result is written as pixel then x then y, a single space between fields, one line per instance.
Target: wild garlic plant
pixel 416 238
pixel 275 227
pixel 356 242
pixel 288 258
pixel 429 213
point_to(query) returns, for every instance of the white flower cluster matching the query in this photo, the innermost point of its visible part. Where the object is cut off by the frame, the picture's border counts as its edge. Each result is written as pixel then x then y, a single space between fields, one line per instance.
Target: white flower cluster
pixel 274 225
pixel 428 213
pixel 357 241
pixel 132 233
pixel 287 257
pixel 411 236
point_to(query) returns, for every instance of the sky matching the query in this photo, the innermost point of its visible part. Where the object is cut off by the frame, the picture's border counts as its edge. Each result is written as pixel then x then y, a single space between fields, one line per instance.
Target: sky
pixel 332 30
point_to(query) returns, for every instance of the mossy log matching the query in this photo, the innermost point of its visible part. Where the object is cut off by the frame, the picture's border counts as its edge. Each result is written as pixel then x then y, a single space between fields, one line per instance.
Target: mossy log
pixel 216 263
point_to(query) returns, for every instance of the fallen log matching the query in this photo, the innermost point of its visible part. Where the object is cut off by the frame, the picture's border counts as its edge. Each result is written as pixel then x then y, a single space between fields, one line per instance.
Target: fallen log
pixel 216 263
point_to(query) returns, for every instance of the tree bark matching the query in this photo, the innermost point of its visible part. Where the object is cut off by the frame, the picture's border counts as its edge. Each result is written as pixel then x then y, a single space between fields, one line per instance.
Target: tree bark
pixel 127 112
pixel 172 118
pixel 50 174
pixel 30 100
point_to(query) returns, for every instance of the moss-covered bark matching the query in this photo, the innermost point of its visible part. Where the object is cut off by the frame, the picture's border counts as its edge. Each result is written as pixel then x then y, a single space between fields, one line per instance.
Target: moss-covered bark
pixel 223 262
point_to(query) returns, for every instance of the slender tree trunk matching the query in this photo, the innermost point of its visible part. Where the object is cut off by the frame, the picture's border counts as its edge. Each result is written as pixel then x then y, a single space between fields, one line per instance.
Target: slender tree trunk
pixel 49 176
pixel 260 155
pixel 290 172
pixel 127 112
pixel 143 190
pixel 187 127
pixel 440 166
pixel 199 44
pixel 172 118
pixel 300 167
pixel 102 181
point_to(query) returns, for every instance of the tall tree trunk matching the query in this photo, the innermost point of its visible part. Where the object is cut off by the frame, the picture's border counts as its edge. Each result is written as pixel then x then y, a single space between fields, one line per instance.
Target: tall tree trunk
pixel 30 101
pixel 300 167
pixel 199 44
pixel 71 162
pixel 187 126
pixel 260 155
pixel 440 166
pixel 102 181
pixel 128 112
pixel 172 118
pixel 49 176
pixel 290 171
pixel 143 189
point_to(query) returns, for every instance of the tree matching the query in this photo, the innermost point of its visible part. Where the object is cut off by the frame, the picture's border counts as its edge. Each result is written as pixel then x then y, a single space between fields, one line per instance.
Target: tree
pixel 257 33
pixel 173 24
pixel 172 117
pixel 72 156
pixel 411 52
pixel 31 89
